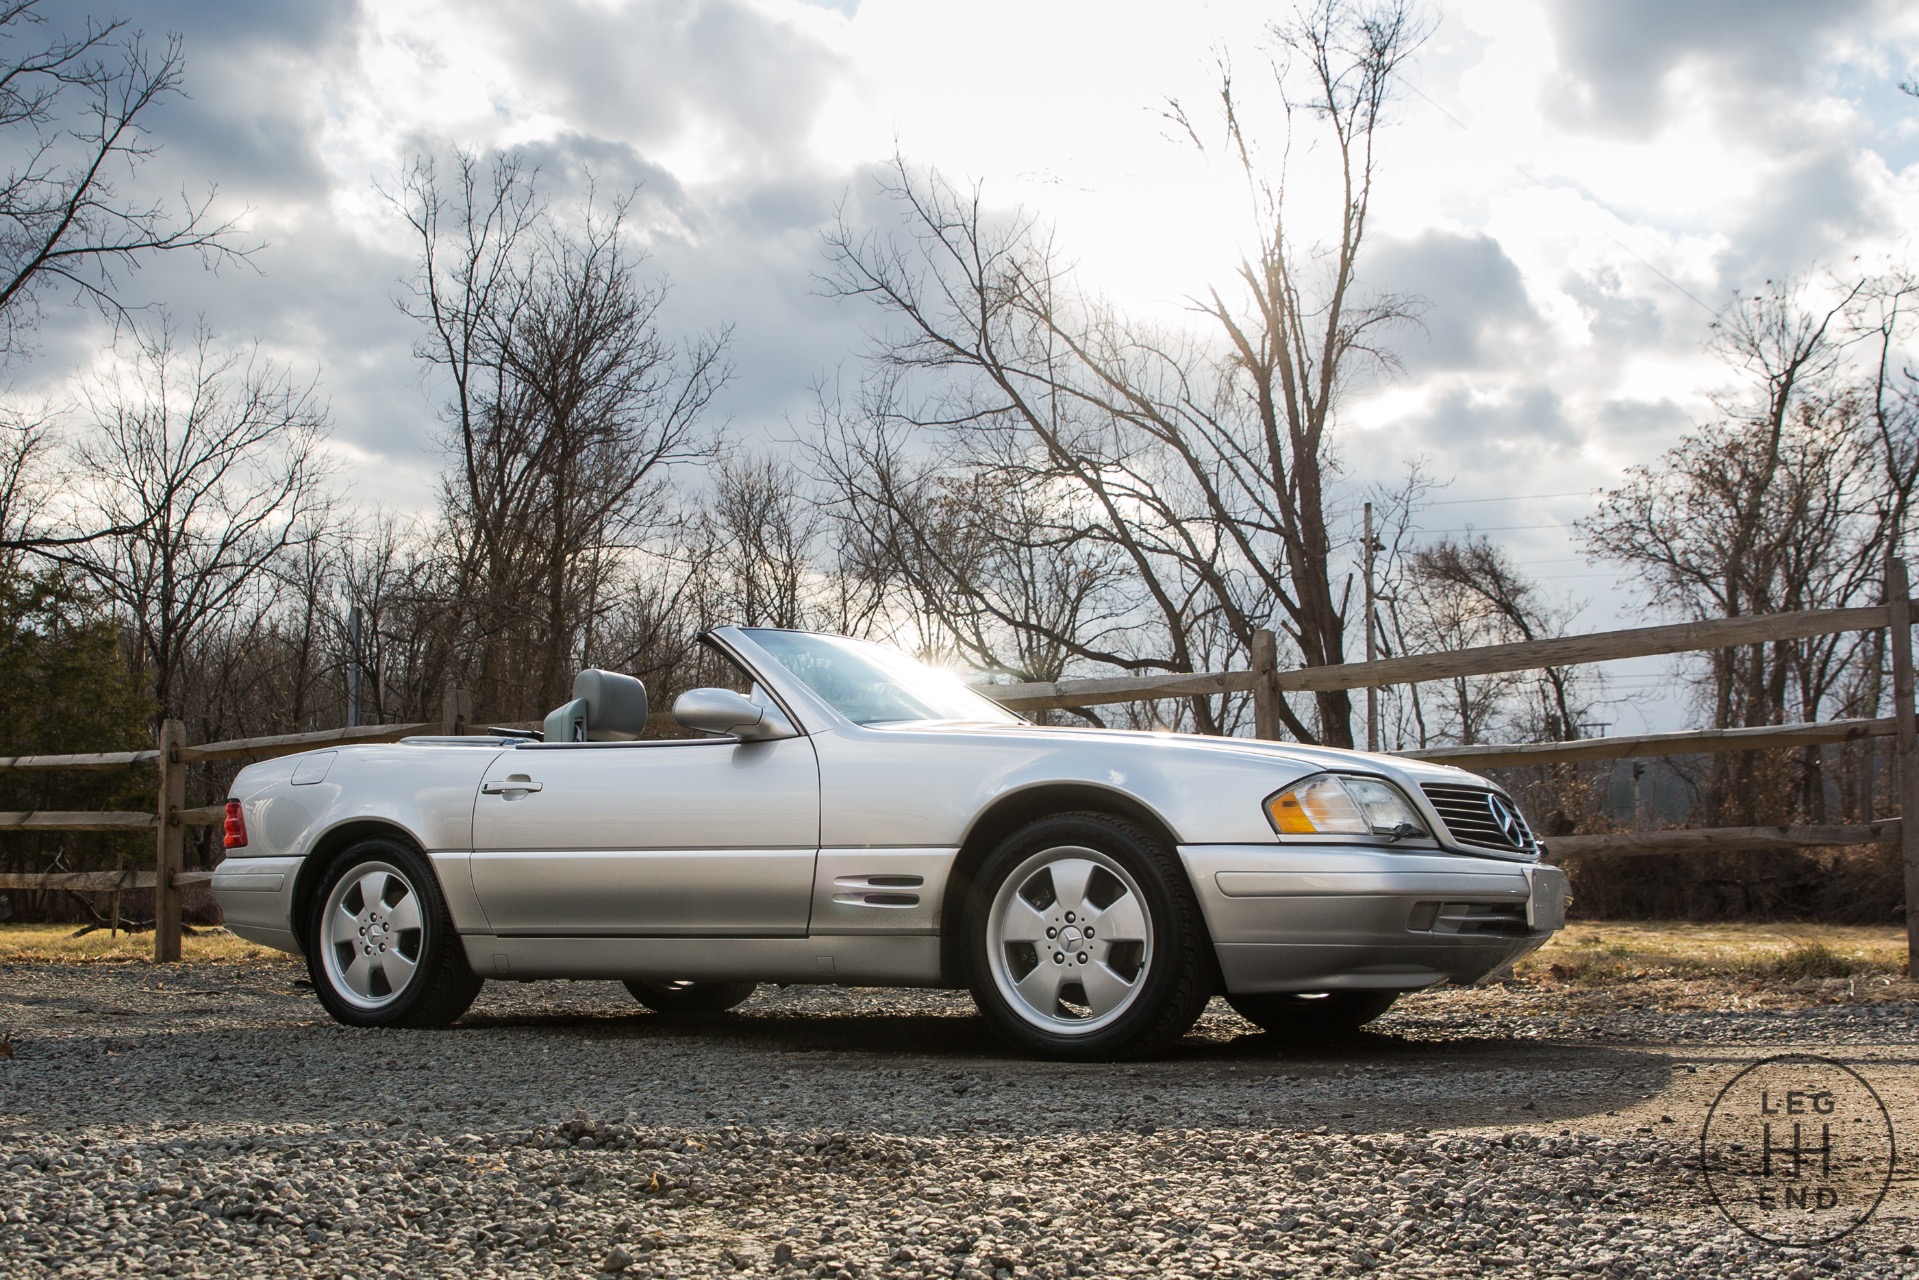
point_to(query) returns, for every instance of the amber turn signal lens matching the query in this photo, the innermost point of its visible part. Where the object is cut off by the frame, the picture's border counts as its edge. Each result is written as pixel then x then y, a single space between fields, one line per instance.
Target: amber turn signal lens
pixel 1320 805
pixel 1288 817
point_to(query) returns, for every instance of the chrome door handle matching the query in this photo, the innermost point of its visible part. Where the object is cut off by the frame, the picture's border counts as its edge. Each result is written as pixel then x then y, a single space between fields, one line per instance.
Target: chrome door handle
pixel 500 788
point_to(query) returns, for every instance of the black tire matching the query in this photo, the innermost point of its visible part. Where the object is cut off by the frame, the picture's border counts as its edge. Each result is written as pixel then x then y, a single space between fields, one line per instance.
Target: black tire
pixel 440 986
pixel 692 999
pixel 1312 1015
pixel 1166 979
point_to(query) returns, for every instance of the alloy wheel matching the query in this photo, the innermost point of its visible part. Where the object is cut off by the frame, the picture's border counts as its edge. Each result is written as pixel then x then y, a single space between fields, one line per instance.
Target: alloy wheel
pixel 1069 940
pixel 373 932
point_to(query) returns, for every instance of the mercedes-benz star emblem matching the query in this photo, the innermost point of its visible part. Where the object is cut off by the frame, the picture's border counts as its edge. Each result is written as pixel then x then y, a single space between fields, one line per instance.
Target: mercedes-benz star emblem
pixel 1507 821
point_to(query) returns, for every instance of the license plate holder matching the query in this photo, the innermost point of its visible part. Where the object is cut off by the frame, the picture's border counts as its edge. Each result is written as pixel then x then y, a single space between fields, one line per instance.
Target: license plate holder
pixel 1545 899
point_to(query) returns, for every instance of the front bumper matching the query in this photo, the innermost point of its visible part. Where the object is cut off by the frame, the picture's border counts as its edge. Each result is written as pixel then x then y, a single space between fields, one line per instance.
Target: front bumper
pixel 1344 917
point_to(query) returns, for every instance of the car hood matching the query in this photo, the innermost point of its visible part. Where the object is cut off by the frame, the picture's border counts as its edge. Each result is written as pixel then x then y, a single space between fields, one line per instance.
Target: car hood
pixel 1300 758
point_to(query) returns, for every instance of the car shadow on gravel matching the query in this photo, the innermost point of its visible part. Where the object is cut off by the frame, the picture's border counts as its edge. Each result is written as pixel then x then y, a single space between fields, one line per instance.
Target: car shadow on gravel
pixel 1217 1077
pixel 899 1062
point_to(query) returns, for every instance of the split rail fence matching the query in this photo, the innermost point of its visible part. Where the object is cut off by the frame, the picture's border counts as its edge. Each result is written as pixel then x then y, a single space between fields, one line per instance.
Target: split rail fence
pixel 171 818
pixel 1264 680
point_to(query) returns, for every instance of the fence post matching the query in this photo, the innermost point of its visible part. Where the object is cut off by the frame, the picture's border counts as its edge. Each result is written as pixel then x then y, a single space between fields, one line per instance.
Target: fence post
pixel 171 844
pixel 456 711
pixel 1905 744
pixel 1265 692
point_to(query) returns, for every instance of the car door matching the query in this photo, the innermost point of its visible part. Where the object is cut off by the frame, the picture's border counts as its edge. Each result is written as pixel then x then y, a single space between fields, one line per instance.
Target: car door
pixel 701 837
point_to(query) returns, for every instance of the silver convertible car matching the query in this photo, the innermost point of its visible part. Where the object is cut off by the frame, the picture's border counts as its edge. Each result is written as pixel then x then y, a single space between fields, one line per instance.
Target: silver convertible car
pixel 847 815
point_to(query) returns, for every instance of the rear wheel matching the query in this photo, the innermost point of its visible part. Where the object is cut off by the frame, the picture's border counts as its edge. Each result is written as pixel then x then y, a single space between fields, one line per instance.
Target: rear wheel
pixel 1083 940
pixel 380 944
pixel 1312 1015
pixel 692 999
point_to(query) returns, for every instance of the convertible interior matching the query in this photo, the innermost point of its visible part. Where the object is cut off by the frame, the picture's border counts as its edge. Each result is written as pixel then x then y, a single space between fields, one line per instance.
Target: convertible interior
pixel 608 706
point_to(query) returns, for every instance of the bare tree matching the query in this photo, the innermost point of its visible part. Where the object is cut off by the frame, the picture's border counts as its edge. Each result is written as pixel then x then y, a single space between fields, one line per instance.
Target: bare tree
pixel 1791 498
pixel 73 109
pixel 756 543
pixel 1492 602
pixel 567 405
pixel 211 457
pixel 993 572
pixel 25 446
pixel 1203 466
pixel 392 573
pixel 1301 332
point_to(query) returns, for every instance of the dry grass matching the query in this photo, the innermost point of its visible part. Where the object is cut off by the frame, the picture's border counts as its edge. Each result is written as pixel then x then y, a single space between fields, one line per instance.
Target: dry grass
pixel 1618 951
pixel 1584 953
pixel 53 944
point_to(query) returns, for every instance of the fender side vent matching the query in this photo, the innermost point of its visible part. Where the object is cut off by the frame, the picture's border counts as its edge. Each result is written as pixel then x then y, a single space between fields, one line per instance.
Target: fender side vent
pixel 879 882
pixel 877 899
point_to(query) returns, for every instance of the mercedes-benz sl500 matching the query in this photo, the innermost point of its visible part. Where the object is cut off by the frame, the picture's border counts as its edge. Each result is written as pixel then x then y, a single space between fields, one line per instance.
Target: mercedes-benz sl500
pixel 844 814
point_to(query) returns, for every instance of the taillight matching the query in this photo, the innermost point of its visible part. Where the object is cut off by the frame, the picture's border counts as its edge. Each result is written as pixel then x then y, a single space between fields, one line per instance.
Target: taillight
pixel 236 826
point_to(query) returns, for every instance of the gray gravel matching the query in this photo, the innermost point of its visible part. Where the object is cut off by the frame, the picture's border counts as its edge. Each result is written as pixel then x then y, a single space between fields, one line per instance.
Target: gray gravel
pixel 210 1121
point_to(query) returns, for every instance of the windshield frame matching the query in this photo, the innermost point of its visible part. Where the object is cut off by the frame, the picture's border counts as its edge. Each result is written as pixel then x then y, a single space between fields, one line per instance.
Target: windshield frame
pixel 881 659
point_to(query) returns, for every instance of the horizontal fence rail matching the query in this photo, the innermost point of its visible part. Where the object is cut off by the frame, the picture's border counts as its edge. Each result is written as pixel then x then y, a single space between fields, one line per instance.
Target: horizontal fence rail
pixel 93 820
pixel 1573 651
pixel 1058 694
pixel 1720 840
pixel 94 760
pixel 286 744
pixel 1685 742
pixel 58 820
pixel 1496 659
pixel 98 881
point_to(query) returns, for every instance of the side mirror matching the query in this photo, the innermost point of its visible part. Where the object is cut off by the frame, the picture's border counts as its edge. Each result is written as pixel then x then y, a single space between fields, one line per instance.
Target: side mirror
pixel 721 711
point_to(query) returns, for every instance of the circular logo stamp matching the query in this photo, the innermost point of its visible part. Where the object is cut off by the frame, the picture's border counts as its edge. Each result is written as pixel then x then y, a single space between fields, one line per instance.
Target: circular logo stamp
pixel 1797 1150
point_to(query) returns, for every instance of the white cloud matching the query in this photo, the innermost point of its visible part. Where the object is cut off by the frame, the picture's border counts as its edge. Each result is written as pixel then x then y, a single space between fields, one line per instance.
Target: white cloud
pixel 1560 177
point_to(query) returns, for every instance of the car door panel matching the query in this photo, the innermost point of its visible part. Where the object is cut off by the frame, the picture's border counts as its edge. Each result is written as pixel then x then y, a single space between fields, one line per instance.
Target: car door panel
pixel 700 837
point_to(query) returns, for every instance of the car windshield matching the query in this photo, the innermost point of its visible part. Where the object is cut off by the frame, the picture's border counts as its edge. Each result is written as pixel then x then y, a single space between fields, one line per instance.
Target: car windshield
pixel 871 684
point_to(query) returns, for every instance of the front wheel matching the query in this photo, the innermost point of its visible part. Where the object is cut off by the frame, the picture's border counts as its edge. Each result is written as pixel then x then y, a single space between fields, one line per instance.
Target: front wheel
pixel 691 999
pixel 1317 1015
pixel 380 943
pixel 1083 940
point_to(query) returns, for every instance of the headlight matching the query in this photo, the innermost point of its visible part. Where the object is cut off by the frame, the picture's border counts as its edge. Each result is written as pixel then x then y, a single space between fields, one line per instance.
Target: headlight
pixel 1329 804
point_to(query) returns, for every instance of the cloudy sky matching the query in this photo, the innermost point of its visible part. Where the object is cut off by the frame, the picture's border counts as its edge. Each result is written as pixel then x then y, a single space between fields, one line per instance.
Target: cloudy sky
pixel 1574 187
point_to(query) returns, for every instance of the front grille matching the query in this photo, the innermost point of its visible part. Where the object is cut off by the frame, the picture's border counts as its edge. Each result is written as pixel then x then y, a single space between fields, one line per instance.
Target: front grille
pixel 1469 817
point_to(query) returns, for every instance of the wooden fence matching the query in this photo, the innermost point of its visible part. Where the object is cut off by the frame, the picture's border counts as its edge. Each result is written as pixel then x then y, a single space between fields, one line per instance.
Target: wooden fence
pixel 1265 680
pixel 171 818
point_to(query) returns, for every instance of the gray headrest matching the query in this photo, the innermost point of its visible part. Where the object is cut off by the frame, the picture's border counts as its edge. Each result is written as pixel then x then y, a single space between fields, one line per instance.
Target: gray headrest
pixel 606 707
pixel 615 705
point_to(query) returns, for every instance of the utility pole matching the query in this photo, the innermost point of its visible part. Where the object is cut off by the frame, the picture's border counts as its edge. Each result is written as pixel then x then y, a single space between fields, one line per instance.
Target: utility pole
pixel 1372 694
pixel 353 667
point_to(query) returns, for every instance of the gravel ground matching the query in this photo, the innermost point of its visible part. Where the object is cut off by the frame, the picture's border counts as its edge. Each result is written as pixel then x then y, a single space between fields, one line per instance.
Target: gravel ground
pixel 210 1120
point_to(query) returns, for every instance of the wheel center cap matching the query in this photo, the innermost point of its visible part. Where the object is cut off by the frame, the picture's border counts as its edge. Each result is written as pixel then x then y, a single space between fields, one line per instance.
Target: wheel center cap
pixel 1070 938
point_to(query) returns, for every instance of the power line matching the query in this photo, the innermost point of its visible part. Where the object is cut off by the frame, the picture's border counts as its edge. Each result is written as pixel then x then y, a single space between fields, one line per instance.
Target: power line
pixel 1517 497
pixel 1493 528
